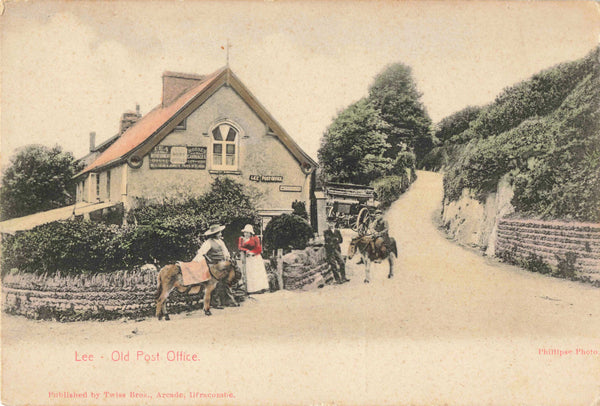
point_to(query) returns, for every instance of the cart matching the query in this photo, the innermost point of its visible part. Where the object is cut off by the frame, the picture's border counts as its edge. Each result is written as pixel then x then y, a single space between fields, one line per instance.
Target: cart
pixel 350 206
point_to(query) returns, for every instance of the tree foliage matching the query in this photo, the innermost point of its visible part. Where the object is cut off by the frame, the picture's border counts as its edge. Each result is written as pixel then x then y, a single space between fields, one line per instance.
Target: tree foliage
pixel 353 147
pixel 456 123
pixel 394 94
pixel 38 178
pixel 299 209
pixel 365 140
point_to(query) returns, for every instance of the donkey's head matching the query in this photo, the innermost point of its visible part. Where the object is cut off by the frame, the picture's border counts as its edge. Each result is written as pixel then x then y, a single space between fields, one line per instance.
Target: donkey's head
pixel 358 243
pixel 353 247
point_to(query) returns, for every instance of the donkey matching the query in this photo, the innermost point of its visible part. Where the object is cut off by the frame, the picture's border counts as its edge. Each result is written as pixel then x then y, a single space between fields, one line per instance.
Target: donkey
pixel 370 252
pixel 170 278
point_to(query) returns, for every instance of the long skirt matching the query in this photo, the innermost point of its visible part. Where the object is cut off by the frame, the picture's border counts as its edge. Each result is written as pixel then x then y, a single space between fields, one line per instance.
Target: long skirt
pixel 256 274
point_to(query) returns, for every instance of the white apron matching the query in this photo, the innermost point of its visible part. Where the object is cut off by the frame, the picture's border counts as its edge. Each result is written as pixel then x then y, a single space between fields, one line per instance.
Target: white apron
pixel 256 274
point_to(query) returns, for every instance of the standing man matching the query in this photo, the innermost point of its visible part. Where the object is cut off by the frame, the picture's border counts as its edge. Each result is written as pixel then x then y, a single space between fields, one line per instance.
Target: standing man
pixel 333 238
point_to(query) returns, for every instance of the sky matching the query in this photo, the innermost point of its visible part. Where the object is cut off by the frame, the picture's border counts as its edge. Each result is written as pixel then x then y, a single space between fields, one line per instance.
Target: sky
pixel 69 68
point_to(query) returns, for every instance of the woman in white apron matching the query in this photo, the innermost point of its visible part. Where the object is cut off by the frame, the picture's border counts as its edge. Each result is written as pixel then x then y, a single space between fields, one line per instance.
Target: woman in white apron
pixel 256 274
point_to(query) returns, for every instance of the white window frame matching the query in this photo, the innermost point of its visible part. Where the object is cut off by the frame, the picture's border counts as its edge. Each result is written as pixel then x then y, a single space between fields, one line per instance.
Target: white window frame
pixel 236 143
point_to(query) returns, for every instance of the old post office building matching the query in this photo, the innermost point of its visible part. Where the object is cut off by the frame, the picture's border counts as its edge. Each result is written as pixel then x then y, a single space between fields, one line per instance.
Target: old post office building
pixel 206 126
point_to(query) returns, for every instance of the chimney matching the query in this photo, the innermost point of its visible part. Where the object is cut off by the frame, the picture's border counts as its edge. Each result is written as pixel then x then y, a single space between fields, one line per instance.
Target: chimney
pixel 129 118
pixel 175 84
pixel 92 141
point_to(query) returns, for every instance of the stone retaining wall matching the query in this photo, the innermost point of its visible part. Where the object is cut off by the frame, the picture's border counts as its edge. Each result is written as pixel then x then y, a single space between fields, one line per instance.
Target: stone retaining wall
pixel 84 297
pixel 552 242
pixel 306 269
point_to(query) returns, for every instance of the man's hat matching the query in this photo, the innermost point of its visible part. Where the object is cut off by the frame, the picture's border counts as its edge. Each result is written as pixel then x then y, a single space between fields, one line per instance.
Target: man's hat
pixel 214 228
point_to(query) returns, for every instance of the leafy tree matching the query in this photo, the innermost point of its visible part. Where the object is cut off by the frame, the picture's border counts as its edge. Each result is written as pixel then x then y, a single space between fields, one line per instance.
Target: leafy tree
pixel 38 179
pixel 353 147
pixel 395 96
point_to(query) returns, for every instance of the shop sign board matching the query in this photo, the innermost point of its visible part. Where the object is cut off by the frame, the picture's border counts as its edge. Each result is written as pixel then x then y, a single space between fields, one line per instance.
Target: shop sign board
pixel 178 157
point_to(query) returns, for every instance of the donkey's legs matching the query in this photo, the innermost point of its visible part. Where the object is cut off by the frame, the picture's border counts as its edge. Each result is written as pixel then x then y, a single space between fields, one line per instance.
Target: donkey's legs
pixel 165 311
pixel 207 294
pixel 392 261
pixel 367 269
pixel 230 296
pixel 161 305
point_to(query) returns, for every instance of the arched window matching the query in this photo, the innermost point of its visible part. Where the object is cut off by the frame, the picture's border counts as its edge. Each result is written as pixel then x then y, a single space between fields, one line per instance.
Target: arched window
pixel 224 147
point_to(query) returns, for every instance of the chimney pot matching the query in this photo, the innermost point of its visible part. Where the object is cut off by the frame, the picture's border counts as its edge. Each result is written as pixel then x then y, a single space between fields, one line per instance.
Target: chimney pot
pixel 92 141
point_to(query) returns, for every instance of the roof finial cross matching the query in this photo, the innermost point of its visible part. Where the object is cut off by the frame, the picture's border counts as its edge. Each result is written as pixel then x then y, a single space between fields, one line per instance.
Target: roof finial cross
pixel 228 46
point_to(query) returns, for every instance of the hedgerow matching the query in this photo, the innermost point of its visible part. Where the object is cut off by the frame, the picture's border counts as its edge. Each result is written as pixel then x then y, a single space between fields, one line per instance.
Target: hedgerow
pixel 154 233
pixel 545 133
pixel 389 189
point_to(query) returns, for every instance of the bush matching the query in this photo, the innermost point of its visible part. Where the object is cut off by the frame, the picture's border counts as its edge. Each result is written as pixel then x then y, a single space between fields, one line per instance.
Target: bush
pixel 299 209
pixel 65 246
pixel 389 189
pixel 225 203
pixel 163 233
pixel 287 231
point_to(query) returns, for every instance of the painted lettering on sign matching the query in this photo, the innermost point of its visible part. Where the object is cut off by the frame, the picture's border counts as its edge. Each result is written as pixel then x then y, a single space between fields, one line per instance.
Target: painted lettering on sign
pixel 290 188
pixel 177 157
pixel 266 178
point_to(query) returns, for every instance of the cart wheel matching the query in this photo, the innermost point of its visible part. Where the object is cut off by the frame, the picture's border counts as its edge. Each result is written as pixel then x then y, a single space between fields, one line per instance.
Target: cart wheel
pixel 362 221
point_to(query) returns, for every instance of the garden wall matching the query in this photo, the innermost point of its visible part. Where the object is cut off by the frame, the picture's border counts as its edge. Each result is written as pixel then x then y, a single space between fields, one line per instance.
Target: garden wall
pixel 306 269
pixel 566 249
pixel 555 243
pixel 107 296
pixel 130 294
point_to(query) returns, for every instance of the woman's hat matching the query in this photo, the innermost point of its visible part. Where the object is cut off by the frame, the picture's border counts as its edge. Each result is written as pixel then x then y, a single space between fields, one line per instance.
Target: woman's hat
pixel 248 229
pixel 214 228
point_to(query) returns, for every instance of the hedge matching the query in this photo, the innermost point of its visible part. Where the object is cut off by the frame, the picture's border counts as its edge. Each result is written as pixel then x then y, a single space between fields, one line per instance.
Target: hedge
pixel 156 233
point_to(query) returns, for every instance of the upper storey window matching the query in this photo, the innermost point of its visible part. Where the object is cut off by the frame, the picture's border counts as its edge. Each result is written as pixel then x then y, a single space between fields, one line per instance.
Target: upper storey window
pixel 225 147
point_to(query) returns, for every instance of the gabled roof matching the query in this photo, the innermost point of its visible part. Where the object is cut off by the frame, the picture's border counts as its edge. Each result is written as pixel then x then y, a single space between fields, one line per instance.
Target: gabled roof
pixel 152 128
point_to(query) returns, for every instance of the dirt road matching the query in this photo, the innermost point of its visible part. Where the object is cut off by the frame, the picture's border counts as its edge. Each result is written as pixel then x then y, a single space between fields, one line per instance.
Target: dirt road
pixel 451 327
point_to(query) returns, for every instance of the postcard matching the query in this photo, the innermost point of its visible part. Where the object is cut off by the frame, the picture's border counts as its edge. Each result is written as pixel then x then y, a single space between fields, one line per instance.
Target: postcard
pixel 300 203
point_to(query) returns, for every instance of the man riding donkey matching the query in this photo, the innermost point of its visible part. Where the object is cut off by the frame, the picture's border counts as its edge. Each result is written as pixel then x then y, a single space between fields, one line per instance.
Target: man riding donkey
pixel 214 251
pixel 379 229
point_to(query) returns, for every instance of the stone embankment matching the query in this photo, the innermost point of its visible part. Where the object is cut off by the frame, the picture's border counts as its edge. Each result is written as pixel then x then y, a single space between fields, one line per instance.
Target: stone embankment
pixel 554 242
pixel 568 249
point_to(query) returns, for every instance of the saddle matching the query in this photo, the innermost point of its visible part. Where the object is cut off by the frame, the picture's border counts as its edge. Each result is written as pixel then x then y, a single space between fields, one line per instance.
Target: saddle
pixel 379 249
pixel 194 272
